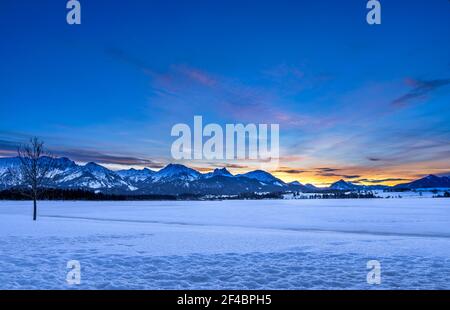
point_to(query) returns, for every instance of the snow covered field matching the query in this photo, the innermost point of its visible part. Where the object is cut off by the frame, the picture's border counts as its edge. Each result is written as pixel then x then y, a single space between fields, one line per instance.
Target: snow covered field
pixel 291 244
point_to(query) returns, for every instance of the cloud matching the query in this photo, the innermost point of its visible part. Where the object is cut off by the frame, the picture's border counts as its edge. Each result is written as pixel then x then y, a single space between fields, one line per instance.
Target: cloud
pixel 234 99
pixel 375 181
pixel 344 176
pixel 289 170
pixel 355 176
pixel 202 169
pixel 8 153
pixel 402 148
pixel 234 166
pixel 420 89
pixel 332 172
pixel 198 76
pixel 327 169
pixel 226 165
pixel 129 59
pixel 181 84
pixel 9 149
pixel 443 174
pixel 103 158
pixel 8 146
pixel 374 159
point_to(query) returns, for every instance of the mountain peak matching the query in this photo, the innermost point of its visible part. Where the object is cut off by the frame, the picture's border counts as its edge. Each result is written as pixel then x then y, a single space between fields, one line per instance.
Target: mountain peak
pixel 172 166
pixel 263 176
pixel 135 175
pixel 343 185
pixel 311 186
pixel 430 181
pixel 176 170
pixel 295 183
pixel 432 176
pixel 222 172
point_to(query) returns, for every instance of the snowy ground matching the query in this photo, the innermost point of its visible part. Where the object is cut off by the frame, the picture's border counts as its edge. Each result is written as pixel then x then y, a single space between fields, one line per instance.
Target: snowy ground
pixel 292 244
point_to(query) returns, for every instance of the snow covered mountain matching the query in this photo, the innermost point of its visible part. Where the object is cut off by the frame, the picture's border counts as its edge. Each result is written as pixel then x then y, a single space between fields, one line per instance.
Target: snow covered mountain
pixel 223 172
pixel 295 183
pixel 10 170
pixel 7 179
pixel 312 187
pixel 430 181
pixel 341 185
pixel 136 177
pixel 67 174
pixel 175 172
pixel 175 179
pixel 263 177
pixel 91 176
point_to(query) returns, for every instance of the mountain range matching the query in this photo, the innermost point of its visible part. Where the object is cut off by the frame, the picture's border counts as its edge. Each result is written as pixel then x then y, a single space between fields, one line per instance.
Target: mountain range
pixel 175 179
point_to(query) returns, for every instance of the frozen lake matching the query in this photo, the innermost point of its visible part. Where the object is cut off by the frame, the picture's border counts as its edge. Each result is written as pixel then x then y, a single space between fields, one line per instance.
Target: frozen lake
pixel 285 244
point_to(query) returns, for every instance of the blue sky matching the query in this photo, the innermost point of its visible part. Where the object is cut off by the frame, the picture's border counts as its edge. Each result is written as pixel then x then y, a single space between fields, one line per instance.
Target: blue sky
pixel 366 103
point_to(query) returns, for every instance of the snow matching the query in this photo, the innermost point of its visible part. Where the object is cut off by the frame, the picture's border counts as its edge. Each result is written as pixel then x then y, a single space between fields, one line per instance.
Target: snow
pixel 218 172
pixel 132 188
pixel 262 176
pixel 425 193
pixel 269 244
pixel 136 175
pixel 175 171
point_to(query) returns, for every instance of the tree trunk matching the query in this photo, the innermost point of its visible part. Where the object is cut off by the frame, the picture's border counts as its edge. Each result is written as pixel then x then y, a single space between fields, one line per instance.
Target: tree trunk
pixel 34 209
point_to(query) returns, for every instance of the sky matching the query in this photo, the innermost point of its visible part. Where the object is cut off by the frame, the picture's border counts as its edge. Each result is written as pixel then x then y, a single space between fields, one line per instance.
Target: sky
pixel 364 103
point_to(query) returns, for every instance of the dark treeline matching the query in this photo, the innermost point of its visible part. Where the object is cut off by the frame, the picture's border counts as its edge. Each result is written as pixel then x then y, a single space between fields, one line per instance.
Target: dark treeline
pixel 78 194
pixel 344 195
pixel 445 195
pixel 254 196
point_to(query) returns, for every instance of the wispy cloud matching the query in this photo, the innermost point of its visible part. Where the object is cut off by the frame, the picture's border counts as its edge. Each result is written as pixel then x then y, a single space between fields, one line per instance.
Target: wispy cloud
pixel 202 169
pixel 231 166
pixel 129 59
pixel 184 88
pixel 375 159
pixel 288 170
pixel 419 90
pixel 9 148
pixel 7 153
pixel 326 169
pixel 379 181
pixel 83 155
pixel 344 176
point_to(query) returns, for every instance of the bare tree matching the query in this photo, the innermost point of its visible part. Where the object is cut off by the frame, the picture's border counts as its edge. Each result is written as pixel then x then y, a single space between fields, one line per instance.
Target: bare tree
pixel 35 165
